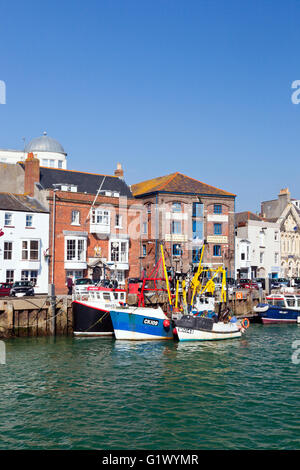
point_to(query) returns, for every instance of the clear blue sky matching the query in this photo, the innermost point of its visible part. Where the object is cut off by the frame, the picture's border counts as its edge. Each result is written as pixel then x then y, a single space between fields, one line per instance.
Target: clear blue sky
pixel 202 87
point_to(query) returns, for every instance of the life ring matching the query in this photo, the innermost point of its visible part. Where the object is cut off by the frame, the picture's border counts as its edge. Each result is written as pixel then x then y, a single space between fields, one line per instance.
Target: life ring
pixel 245 323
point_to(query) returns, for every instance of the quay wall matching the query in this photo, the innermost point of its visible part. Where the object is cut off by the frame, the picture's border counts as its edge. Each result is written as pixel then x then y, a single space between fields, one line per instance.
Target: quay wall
pixel 36 316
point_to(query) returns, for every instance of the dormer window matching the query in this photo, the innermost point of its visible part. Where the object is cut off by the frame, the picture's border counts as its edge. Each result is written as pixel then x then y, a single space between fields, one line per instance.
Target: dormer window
pixel 69 187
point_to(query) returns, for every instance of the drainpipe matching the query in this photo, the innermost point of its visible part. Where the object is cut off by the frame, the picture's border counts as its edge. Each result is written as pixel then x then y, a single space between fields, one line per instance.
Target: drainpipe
pixel 156 229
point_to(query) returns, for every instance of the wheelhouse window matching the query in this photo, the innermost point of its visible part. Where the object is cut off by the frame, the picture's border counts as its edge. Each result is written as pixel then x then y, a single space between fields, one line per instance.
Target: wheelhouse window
pixel 217 208
pixel 30 250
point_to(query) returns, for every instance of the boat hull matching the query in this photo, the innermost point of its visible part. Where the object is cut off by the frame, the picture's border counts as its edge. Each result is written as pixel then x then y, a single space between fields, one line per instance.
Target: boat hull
pixel 279 315
pixel 90 320
pixel 194 328
pixel 140 324
pixel 185 334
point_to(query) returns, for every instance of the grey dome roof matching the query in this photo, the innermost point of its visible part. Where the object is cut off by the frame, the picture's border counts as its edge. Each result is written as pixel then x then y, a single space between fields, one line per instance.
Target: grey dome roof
pixel 44 144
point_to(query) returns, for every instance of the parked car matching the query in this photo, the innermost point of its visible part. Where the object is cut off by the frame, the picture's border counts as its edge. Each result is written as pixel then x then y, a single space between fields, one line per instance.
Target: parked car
pixel 296 281
pixel 5 288
pixel 283 282
pixel 21 288
pixel 247 284
pixel 274 284
pixel 261 282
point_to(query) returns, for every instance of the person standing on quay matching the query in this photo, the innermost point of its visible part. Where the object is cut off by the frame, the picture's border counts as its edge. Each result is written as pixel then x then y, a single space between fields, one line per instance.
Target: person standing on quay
pixel 69 285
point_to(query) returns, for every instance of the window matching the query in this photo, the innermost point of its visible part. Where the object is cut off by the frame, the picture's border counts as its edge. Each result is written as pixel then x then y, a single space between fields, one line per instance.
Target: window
pixel 10 276
pixel 217 208
pixel 177 250
pixel 45 162
pixel 30 250
pixel 51 163
pixel 243 256
pixel 217 250
pixel 197 229
pixel 218 229
pixel 196 255
pixel 100 216
pixel 7 218
pixel 276 258
pixel 261 257
pixel 290 302
pixel 118 221
pixel 120 276
pixel 176 207
pixel 29 276
pixel 7 254
pixel 119 251
pixel 262 238
pixel 176 226
pixel 145 228
pixel 75 218
pixel 76 249
pixel 74 274
pixel 276 236
pixel 144 248
pixel 29 220
pixel 60 164
pixel 197 209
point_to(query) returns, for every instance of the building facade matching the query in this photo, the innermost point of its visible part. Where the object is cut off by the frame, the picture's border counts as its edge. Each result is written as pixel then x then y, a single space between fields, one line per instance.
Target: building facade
pixel 182 213
pixel 285 212
pixel 257 247
pixel 48 150
pixel 24 241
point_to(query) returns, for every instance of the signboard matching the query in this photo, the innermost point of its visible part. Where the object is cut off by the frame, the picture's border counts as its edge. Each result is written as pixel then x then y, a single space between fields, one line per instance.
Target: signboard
pixel 175 237
pixel 217 239
pixel 239 295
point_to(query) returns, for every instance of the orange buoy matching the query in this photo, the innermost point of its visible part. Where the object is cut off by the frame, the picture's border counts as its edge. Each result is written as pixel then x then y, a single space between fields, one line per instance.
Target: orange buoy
pixel 245 323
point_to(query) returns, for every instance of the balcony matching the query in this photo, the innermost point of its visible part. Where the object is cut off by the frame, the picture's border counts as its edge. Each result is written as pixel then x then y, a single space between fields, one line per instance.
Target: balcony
pixel 100 229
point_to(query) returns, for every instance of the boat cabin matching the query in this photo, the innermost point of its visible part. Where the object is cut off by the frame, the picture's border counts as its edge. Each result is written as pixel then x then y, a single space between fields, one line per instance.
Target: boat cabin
pixel 284 300
pixel 102 294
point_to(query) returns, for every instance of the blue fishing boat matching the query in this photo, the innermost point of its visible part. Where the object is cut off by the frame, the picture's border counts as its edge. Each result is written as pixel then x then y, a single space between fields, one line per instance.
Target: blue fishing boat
pixel 280 308
pixel 141 323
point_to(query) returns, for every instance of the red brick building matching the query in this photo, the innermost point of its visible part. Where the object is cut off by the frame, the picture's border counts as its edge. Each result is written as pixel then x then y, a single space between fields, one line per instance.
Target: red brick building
pixel 182 212
pixel 94 223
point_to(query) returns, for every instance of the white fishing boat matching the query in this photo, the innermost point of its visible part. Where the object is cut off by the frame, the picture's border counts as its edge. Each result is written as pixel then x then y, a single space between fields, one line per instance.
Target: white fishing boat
pixel 198 328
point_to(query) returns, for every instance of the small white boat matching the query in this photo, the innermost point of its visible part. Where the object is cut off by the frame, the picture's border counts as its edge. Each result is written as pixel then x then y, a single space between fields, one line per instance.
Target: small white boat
pixel 196 328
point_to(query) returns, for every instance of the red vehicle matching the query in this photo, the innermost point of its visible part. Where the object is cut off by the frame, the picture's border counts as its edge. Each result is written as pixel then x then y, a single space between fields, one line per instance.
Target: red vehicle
pixel 248 284
pixel 5 289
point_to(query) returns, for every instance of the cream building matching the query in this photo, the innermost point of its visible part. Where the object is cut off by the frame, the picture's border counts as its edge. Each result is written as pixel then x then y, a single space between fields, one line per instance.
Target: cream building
pixel 48 150
pixel 286 213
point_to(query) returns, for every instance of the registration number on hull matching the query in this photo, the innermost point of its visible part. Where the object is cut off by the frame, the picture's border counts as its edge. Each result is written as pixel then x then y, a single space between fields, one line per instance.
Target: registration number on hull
pixel 187 330
pixel 148 321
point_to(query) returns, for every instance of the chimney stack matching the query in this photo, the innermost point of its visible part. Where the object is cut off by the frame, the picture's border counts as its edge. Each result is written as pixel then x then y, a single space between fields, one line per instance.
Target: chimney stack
pixel 119 172
pixel 32 174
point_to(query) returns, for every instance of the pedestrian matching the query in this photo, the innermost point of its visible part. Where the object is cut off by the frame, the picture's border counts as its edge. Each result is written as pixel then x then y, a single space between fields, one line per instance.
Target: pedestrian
pixel 69 285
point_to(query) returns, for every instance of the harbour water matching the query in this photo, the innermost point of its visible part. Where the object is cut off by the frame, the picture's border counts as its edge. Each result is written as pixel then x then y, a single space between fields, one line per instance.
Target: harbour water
pixel 66 393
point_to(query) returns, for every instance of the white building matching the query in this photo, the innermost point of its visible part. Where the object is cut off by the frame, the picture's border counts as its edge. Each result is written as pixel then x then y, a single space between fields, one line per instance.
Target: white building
pixel 50 152
pixel 257 247
pixel 24 241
